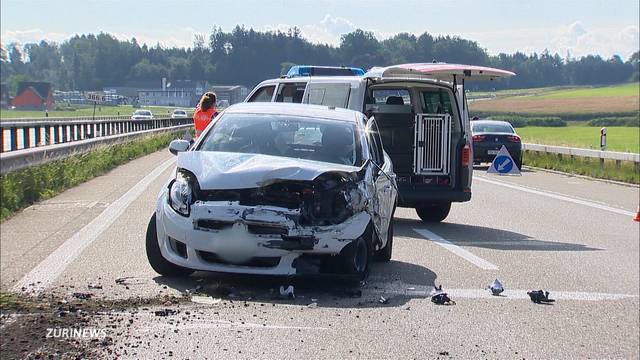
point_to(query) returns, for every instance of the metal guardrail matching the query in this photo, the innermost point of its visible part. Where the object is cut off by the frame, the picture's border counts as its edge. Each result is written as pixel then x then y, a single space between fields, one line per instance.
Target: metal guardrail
pixel 597 154
pixel 20 159
pixel 26 134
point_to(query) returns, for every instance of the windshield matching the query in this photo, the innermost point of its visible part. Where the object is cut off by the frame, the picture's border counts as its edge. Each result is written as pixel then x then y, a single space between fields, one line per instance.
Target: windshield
pixel 278 135
pixel 491 128
pixel 142 112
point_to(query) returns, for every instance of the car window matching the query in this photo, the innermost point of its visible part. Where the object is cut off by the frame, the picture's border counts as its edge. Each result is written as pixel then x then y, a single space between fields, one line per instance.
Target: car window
pixel 328 94
pixel 278 135
pixel 390 97
pixel 290 92
pixel 491 128
pixel 436 101
pixel 375 143
pixel 263 94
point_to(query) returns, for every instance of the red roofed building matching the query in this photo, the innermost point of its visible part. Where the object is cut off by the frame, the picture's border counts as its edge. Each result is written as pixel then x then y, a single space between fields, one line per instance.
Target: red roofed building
pixel 34 96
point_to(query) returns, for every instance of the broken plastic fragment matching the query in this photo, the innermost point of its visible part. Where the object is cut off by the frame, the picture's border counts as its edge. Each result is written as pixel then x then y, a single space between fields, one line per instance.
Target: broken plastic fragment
pixel 442 298
pixel 383 300
pixel 207 300
pixel 287 293
pixel 82 296
pixel 313 305
pixel 496 288
pixel 539 296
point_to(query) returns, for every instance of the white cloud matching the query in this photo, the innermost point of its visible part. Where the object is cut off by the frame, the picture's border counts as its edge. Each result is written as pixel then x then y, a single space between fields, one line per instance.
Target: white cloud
pixel 579 40
pixel 31 36
pixel 328 30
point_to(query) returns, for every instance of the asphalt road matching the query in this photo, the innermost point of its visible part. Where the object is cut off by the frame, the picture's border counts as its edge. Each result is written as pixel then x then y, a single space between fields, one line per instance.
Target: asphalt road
pixel 571 236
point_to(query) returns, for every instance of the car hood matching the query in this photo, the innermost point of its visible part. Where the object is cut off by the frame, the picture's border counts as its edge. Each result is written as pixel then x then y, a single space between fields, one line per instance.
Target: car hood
pixel 223 170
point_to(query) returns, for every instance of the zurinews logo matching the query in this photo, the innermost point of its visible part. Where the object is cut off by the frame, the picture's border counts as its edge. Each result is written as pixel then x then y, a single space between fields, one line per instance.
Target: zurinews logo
pixel 76 333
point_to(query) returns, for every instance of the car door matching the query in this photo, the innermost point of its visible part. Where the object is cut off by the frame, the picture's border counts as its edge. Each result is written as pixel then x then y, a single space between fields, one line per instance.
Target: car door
pixel 386 191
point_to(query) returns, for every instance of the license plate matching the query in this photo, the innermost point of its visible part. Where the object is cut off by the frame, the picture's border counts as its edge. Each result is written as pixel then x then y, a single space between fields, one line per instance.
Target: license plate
pixel 492 152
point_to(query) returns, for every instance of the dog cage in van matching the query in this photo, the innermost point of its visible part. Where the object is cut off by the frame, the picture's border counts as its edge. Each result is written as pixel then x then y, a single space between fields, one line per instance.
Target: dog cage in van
pixel 432 144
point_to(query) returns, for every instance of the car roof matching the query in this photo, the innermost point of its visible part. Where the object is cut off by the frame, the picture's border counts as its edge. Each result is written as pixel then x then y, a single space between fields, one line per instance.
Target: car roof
pixel 316 111
pixel 495 122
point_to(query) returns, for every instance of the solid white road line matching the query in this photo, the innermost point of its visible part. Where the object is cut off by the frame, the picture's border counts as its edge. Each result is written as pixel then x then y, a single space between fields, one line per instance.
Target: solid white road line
pixel 54 265
pixel 557 196
pixel 479 262
pixel 420 291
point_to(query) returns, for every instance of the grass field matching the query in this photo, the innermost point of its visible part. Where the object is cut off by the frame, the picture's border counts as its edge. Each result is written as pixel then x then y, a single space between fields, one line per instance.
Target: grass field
pixel 630 89
pixel 84 111
pixel 625 139
pixel 625 171
pixel 623 98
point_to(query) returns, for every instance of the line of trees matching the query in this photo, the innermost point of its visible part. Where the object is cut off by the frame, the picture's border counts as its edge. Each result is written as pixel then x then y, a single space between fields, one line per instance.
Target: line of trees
pixel 245 56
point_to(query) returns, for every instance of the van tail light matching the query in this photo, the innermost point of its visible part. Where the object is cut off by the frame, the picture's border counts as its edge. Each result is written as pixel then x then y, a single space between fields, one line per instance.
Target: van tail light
pixel 466 154
pixel 514 138
pixel 478 138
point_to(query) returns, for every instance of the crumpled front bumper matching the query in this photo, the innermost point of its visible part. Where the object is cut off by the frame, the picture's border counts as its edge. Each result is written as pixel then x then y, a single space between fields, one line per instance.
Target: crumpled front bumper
pixel 224 236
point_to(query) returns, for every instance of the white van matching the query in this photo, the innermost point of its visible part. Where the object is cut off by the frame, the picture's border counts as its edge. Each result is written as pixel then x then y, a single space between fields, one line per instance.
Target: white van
pixel 421 112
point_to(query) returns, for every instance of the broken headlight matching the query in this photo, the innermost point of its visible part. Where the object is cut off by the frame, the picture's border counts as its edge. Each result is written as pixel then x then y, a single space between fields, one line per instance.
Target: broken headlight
pixel 181 193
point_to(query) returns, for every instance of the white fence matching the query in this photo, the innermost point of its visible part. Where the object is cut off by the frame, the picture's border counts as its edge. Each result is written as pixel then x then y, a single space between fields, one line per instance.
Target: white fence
pixel 576 152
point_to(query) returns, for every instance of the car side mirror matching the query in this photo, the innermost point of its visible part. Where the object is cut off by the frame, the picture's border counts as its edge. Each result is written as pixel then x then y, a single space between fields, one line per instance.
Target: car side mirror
pixel 177 146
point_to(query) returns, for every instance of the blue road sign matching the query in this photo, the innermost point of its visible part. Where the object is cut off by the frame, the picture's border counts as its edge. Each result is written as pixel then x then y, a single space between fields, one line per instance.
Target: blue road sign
pixel 503 164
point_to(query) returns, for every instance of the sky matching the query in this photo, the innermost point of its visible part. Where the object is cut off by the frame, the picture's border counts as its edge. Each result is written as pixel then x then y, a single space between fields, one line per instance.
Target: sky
pixel 577 28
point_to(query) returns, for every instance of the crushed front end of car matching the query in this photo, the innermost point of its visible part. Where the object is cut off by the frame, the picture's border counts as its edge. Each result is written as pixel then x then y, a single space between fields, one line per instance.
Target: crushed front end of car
pixel 242 215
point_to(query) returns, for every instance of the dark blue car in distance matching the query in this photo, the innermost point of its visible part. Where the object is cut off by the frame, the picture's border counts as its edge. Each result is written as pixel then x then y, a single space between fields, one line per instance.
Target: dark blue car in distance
pixel 488 138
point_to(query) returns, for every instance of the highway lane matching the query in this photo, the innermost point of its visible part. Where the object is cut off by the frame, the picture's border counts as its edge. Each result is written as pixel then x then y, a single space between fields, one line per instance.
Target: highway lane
pixel 586 254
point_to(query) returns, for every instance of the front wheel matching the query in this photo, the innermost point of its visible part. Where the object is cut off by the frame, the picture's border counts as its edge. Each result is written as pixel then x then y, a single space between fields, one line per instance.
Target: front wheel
pixel 156 260
pixel 356 258
pixel 434 212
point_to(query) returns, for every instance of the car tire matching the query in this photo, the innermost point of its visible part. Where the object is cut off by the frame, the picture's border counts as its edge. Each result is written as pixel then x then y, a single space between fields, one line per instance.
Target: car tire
pixel 156 260
pixel 385 253
pixel 356 258
pixel 434 212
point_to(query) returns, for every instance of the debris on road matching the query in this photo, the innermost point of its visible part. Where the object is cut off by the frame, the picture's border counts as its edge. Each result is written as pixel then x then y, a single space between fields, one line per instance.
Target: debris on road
pixel 165 312
pixel 82 296
pixel 287 293
pixel 383 300
pixel 539 296
pixel 313 305
pixel 440 297
pixel 496 288
pixel 207 300
pixel 94 286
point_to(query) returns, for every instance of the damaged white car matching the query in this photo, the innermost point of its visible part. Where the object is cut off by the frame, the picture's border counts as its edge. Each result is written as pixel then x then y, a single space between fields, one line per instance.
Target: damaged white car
pixel 279 189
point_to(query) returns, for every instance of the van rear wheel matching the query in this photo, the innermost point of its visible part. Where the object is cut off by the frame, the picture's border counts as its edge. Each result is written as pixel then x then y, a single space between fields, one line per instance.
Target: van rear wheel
pixel 434 212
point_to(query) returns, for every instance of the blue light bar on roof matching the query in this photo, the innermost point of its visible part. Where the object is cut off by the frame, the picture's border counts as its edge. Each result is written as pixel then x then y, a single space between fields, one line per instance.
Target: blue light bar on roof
pixel 309 70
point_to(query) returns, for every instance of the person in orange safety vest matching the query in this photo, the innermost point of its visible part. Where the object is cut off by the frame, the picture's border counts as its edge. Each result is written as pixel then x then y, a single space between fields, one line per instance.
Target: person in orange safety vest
pixel 205 111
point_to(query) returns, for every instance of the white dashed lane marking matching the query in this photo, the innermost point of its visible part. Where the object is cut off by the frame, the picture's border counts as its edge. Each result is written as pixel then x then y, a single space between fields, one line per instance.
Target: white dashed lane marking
pixel 439 240
pixel 54 265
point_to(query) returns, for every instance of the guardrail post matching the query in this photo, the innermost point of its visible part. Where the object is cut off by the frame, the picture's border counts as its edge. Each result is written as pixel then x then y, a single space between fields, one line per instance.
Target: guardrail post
pixel 1 139
pixel 38 137
pixel 26 136
pixel 13 136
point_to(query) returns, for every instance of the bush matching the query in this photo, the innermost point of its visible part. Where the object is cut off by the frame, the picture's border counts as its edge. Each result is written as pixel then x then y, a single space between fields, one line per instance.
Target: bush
pixel 22 188
pixel 65 107
pixel 630 121
pixel 521 121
